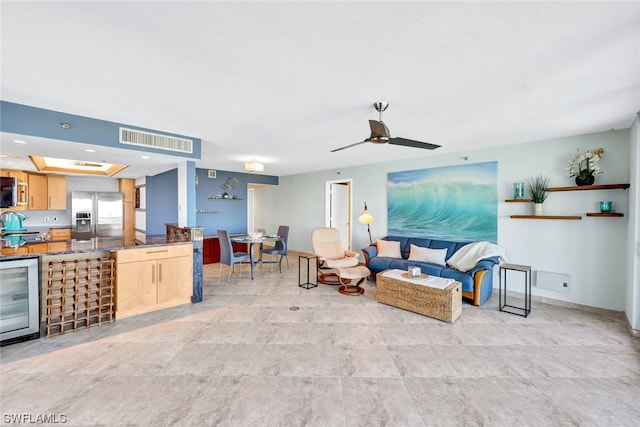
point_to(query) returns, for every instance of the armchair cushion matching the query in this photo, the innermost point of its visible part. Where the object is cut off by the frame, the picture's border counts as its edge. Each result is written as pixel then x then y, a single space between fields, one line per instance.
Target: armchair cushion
pixel 330 250
pixel 341 263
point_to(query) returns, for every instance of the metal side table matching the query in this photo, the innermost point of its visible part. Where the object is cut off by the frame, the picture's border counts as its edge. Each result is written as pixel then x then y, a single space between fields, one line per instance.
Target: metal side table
pixel 308 257
pixel 520 311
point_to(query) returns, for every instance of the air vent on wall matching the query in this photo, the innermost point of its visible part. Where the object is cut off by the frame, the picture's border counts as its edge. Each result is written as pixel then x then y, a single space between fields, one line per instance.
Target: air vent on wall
pixel 155 140
pixel 212 174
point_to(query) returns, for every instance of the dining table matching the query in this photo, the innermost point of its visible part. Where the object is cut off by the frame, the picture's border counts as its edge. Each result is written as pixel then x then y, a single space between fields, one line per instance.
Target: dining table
pixel 251 242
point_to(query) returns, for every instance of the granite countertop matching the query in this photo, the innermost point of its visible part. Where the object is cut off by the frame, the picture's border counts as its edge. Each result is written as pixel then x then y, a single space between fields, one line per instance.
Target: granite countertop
pixel 38 247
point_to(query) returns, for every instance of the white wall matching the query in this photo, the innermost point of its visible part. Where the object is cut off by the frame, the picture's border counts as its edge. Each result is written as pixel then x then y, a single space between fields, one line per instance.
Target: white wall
pixel 592 250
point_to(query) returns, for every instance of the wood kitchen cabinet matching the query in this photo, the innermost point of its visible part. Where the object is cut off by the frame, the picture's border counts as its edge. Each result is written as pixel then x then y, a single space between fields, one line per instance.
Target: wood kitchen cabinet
pixel 38 191
pixel 153 278
pixel 46 192
pixel 127 187
pixel 57 192
pixel 56 234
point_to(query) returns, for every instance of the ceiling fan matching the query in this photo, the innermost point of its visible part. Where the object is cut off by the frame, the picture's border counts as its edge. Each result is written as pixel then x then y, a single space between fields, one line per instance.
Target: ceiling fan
pixel 380 134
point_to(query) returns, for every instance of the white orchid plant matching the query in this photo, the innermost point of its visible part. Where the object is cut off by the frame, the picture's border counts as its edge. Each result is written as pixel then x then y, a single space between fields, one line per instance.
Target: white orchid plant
pixel 585 163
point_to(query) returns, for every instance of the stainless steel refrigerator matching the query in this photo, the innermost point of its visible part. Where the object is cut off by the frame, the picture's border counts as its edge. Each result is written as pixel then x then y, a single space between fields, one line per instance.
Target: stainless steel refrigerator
pixel 96 214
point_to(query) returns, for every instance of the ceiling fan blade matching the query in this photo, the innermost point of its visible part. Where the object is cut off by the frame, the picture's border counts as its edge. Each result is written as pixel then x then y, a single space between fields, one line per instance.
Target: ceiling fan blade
pixel 348 146
pixel 411 143
pixel 378 129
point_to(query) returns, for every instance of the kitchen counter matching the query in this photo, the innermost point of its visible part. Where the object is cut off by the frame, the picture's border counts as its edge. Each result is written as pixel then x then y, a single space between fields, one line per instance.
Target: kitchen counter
pixel 33 247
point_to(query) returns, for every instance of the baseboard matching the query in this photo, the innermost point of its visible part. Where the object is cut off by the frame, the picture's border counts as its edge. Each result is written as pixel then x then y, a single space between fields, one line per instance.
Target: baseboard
pixel 633 332
pixel 582 307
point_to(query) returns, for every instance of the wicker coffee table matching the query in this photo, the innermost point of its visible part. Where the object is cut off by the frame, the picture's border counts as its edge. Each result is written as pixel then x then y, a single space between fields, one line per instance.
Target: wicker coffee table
pixel 428 295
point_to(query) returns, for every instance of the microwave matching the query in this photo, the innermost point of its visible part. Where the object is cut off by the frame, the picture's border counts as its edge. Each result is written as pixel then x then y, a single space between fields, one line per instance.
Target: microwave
pixel 8 192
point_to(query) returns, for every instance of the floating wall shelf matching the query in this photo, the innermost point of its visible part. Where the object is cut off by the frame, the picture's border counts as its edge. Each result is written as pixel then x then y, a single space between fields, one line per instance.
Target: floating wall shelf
pixel 570 217
pixel 572 188
pixel 609 214
pixel 591 187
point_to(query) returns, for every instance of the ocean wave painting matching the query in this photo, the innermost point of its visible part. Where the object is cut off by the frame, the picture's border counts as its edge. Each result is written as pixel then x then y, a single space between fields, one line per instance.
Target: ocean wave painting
pixel 457 203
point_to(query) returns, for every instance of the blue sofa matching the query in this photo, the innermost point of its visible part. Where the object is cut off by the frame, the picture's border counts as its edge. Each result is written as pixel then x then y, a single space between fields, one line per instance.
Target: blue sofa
pixel 477 283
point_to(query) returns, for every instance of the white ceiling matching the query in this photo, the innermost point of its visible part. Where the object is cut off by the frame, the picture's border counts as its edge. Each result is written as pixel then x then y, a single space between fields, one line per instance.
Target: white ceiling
pixel 286 82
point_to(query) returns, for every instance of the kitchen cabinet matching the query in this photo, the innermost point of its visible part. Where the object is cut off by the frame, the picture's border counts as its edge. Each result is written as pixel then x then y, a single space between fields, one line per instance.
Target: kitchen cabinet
pixel 153 278
pixel 22 187
pixel 57 192
pixel 38 191
pixel 127 187
pixel 56 234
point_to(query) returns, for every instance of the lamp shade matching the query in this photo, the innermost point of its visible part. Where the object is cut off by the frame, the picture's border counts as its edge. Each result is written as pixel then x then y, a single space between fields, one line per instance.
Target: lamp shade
pixel 365 217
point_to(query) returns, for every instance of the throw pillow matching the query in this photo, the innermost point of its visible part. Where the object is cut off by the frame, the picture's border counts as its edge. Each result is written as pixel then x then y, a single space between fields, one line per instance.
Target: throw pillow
pixel 388 248
pixel 435 256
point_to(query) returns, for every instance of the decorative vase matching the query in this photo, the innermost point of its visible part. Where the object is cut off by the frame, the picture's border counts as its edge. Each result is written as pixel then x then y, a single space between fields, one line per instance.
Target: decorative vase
pixel 605 206
pixel 585 178
pixel 537 209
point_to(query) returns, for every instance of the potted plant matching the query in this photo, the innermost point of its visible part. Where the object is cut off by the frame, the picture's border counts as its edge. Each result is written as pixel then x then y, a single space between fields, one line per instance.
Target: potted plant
pixel 585 166
pixel 538 192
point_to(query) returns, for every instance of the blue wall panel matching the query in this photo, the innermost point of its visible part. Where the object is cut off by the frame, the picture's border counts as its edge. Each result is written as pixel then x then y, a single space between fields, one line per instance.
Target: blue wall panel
pixel 230 215
pixel 162 201
pixel 26 120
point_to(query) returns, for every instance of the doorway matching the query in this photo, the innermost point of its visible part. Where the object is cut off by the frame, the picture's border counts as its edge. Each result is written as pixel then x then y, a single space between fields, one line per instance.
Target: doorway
pixel 338 208
pixel 250 211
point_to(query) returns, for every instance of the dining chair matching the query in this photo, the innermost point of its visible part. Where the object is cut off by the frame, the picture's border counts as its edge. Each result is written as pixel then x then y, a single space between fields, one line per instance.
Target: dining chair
pixel 280 248
pixel 227 255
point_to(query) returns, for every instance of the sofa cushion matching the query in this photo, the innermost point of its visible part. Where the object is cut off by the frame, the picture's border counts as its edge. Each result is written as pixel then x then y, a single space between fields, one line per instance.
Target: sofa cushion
pixel 389 249
pixel 435 256
pixel 380 263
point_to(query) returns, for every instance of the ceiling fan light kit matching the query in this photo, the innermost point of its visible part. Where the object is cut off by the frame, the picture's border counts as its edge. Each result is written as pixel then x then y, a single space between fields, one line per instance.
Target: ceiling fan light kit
pixel 380 133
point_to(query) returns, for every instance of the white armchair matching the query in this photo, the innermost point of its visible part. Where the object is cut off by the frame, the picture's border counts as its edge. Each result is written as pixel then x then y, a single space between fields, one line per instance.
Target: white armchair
pixel 331 253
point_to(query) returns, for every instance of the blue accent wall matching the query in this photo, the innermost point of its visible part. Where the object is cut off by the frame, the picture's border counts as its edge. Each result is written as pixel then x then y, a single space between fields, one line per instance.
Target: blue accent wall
pixel 230 215
pixel 162 201
pixel 26 120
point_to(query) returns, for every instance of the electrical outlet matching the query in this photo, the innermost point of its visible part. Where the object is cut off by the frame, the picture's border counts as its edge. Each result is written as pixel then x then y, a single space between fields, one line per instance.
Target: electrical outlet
pixel 46 219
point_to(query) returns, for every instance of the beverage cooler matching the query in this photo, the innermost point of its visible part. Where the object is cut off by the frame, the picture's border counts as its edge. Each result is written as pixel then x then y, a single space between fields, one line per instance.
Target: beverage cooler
pixel 19 300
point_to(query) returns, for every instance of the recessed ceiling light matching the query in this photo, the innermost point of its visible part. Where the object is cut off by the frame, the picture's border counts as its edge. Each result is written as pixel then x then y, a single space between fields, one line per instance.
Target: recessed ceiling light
pixel 19 141
pixel 90 150
pixel 145 157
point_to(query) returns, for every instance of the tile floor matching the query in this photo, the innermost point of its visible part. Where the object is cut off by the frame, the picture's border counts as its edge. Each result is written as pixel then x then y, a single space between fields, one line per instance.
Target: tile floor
pixel 243 358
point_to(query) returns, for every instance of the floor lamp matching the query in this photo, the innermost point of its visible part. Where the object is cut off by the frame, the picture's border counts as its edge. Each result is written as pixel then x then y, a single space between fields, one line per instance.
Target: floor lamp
pixel 366 218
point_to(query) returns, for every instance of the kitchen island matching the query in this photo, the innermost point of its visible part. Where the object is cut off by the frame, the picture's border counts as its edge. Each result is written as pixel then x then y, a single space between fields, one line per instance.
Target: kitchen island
pixel 84 283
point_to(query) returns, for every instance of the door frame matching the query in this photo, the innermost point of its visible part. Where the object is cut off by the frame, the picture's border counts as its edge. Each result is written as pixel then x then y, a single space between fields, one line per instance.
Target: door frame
pixel 327 205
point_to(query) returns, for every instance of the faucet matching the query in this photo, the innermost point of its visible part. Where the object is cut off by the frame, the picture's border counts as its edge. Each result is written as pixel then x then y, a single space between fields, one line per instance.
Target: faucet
pixel 11 220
